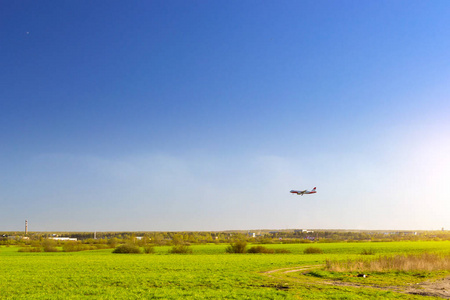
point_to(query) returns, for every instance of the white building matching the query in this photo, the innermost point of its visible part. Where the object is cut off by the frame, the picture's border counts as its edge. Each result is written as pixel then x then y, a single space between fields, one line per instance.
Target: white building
pixel 63 239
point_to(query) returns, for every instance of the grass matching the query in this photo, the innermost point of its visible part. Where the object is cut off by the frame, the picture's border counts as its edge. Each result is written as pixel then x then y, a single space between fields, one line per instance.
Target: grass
pixel 392 278
pixel 181 249
pixel 368 252
pixel 208 273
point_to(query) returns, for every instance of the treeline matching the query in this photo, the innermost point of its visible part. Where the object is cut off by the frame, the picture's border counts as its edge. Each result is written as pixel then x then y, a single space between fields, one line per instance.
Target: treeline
pixel 111 239
pixel 51 245
pixel 355 236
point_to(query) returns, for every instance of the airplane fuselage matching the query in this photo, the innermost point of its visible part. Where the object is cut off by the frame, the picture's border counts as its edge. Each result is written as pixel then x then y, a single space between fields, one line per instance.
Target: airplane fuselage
pixel 301 193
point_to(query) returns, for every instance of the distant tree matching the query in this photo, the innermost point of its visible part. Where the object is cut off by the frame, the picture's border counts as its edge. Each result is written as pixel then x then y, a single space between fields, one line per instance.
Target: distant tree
pixel 177 239
pixel 194 238
pixel 141 242
pixel 238 246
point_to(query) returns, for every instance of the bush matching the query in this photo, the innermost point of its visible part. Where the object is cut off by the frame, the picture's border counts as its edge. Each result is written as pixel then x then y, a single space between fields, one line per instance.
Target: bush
pixel 260 249
pixel 75 246
pixel 112 243
pixel 312 250
pixel 305 242
pixel 30 249
pixel 50 249
pixel 35 244
pixel 265 240
pixel 100 246
pixel 149 249
pixel 282 251
pixel 237 247
pixel 49 245
pixel 180 249
pixel 127 248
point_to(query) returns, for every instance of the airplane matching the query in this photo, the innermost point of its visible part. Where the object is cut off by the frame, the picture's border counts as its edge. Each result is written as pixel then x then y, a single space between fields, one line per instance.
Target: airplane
pixel 301 193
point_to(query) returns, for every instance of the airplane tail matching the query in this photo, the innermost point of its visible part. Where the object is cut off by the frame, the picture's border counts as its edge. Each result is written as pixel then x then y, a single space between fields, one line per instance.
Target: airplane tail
pixel 314 189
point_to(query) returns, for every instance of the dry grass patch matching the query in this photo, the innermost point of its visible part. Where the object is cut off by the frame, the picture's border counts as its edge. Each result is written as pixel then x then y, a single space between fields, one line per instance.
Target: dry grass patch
pixel 406 263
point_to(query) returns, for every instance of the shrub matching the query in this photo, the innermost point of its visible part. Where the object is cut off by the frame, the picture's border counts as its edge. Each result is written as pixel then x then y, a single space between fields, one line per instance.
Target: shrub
pixel 149 249
pixel 50 249
pixel 312 250
pixel 49 245
pixel 30 249
pixel 260 249
pixel 180 249
pixel 78 246
pixel 35 244
pixel 237 247
pixel 282 251
pixel 112 243
pixel 305 241
pixel 75 246
pixel 265 240
pixel 100 246
pixel 127 248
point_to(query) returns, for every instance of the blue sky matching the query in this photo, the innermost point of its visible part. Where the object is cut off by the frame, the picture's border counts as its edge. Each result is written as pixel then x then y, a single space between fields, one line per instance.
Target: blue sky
pixel 202 115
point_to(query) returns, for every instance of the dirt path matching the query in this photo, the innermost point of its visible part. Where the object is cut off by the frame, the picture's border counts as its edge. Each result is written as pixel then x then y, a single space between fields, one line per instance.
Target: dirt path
pixel 439 288
pixel 293 269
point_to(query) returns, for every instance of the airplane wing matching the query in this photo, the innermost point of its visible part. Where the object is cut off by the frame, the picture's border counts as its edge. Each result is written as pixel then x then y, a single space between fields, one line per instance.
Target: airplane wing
pixel 298 192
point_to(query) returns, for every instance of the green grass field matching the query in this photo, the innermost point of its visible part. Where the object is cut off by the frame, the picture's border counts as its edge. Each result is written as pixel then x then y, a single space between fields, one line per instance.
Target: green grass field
pixel 207 273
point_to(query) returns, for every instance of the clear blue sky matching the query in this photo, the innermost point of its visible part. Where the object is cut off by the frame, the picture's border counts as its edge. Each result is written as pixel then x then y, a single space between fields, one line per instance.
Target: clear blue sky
pixel 202 115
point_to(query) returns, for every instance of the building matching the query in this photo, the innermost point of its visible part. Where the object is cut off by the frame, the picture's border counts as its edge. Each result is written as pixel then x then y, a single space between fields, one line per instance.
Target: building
pixel 63 239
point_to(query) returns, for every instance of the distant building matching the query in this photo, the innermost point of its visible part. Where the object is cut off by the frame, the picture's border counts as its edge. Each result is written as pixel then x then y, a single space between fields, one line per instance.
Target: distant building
pixel 17 238
pixel 407 233
pixel 303 231
pixel 63 239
